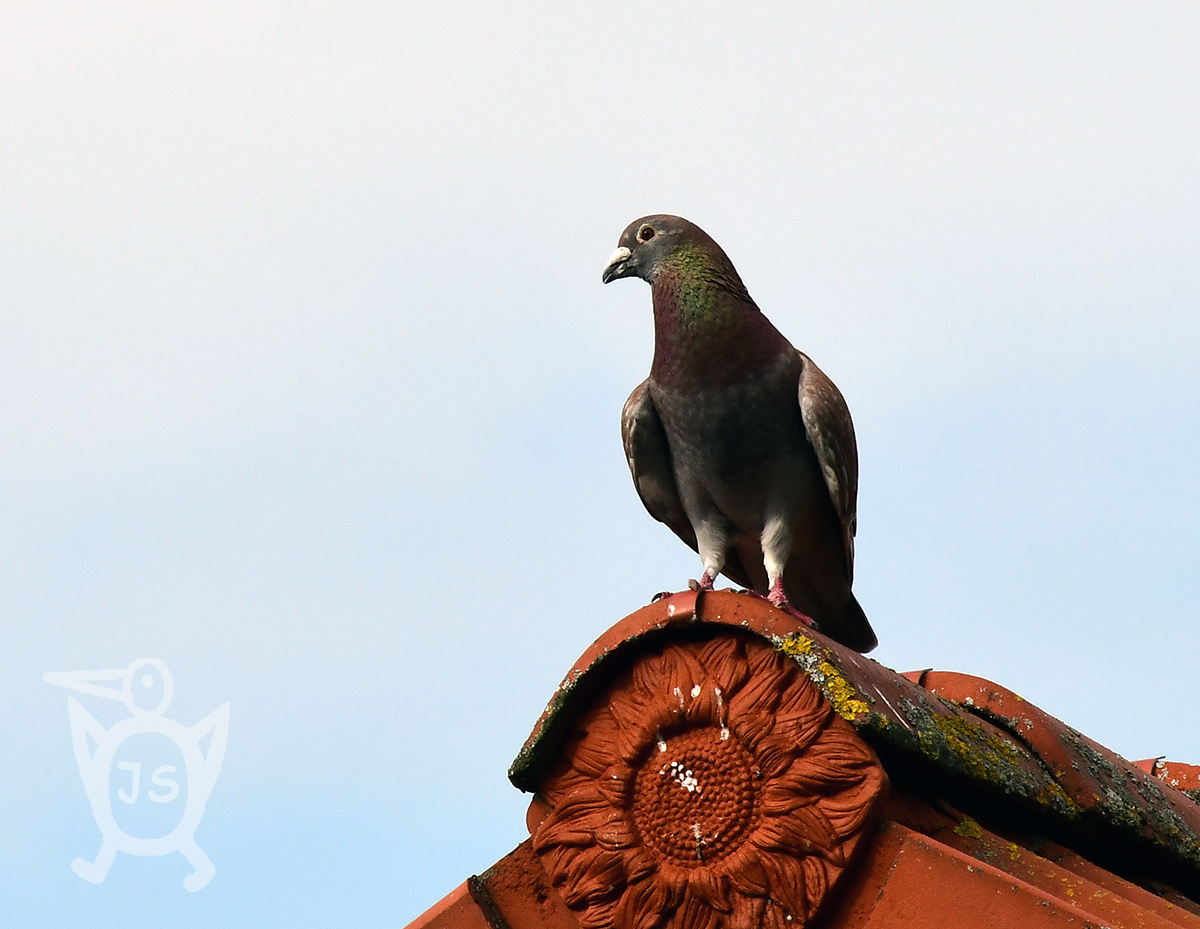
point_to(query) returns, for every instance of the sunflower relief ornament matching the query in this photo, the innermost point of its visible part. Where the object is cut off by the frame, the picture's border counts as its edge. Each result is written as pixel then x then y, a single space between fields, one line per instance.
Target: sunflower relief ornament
pixel 710 787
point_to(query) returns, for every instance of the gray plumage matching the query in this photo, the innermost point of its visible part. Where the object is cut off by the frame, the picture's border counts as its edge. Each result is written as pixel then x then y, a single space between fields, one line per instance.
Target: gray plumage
pixel 736 440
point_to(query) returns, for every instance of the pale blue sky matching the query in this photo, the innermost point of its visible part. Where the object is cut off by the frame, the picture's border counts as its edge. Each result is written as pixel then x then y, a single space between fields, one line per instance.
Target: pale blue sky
pixel 313 389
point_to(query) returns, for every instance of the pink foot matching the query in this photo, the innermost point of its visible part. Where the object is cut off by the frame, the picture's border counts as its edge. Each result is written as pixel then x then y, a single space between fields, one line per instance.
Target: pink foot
pixel 705 582
pixel 779 599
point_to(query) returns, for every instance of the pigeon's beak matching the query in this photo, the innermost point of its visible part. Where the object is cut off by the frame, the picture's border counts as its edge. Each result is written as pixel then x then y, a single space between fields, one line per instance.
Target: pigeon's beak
pixel 618 265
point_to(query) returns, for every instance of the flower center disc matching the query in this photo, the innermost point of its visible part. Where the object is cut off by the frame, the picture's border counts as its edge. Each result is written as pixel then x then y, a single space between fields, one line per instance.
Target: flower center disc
pixel 694 802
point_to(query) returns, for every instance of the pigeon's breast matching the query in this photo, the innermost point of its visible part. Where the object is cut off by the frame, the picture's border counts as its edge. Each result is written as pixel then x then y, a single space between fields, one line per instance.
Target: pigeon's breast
pixel 740 450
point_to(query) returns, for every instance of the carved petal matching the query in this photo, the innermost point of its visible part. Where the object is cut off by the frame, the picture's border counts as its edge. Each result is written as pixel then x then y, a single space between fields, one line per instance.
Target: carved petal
pixel 711 886
pixel 803 830
pixel 641 907
pixel 575 821
pixel 747 912
pixel 750 724
pixel 695 913
pixel 799 727
pixel 704 707
pixel 747 876
pixel 599 916
pixel 592 749
pixel 616 835
pixel 798 699
pixel 725 664
pixel 593 878
pixel 781 797
pixel 774 756
pixel 615 784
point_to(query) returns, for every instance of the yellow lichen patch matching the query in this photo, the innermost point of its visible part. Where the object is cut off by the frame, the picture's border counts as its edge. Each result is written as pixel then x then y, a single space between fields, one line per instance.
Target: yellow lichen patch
pixel 794 645
pixel 1053 795
pixel 989 758
pixel 969 829
pixel 846 700
pixel 1014 851
pixel 980 754
pixel 842 694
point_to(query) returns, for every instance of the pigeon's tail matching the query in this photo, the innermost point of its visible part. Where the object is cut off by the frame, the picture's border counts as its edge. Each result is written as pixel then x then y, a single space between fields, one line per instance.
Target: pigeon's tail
pixel 852 630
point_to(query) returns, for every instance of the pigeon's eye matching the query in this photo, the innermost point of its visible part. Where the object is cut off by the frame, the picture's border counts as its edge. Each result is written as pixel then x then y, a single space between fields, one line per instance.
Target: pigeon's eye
pixel 646 233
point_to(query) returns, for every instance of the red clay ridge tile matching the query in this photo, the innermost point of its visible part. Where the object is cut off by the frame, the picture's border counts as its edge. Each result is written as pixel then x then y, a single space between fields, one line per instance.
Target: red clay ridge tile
pixel 712 763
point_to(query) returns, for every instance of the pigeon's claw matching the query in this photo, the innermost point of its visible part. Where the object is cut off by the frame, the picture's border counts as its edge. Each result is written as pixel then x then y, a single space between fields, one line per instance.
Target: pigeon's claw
pixel 779 599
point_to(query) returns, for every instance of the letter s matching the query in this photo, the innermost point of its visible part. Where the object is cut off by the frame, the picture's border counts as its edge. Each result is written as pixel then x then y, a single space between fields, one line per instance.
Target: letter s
pixel 163 782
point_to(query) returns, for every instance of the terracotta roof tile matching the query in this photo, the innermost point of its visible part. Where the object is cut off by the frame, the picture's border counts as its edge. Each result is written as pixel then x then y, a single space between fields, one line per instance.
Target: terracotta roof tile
pixel 1054 828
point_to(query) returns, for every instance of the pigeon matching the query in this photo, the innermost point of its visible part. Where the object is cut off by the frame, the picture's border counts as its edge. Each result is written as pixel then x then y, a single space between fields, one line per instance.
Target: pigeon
pixel 737 441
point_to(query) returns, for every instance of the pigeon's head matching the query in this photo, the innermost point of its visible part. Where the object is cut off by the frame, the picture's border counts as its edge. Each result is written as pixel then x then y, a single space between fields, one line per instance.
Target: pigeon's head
pixel 647 243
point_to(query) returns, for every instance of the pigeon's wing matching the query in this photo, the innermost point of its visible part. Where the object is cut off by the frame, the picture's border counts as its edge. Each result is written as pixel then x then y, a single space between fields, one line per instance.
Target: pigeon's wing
pixel 649 457
pixel 831 432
